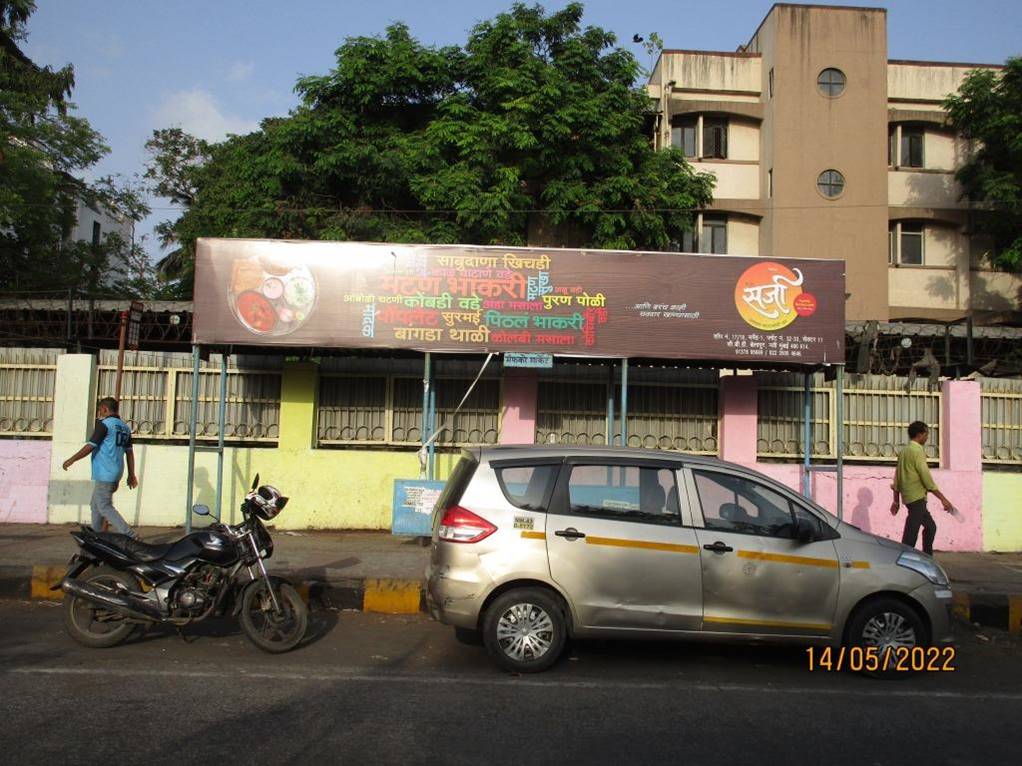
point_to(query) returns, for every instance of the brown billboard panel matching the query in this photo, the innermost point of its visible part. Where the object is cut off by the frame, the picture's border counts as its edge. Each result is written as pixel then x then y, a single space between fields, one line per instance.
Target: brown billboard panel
pixel 458 298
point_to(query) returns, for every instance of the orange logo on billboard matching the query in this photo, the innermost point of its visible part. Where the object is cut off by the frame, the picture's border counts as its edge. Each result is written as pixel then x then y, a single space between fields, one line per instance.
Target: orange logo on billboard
pixel 769 296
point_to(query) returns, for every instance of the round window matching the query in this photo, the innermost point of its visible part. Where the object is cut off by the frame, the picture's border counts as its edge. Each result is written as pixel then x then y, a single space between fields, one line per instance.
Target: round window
pixel 831 82
pixel 831 184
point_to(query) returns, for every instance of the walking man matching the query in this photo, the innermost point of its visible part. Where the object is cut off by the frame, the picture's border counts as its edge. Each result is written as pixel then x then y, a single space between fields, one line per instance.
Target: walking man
pixel 109 446
pixel 912 483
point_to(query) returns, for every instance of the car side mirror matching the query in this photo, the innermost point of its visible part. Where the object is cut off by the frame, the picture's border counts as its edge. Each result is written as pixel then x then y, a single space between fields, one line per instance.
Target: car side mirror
pixel 804 532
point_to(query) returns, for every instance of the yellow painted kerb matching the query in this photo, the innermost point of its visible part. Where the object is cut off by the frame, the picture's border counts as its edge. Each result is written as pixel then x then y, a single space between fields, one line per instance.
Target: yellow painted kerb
pixel 42 579
pixel 389 596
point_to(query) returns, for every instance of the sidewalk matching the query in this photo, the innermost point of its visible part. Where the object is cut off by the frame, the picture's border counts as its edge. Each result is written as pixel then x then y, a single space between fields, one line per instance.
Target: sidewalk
pixel 376 571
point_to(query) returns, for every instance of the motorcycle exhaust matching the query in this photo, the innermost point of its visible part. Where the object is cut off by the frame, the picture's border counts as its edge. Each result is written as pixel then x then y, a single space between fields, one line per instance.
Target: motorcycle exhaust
pixel 105 596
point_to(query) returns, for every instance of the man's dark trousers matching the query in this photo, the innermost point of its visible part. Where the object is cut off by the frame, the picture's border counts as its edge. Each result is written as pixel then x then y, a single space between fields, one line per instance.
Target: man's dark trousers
pixel 919 516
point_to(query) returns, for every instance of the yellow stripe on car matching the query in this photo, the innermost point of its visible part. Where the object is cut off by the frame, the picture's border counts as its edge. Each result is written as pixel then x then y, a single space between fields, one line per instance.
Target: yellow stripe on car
pixel 782 558
pixel 526 534
pixel 767 623
pixel 646 544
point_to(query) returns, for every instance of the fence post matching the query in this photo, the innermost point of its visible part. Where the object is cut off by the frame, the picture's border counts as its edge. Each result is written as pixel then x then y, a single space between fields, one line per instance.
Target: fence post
pixel 961 440
pixel 74 410
pixel 518 418
pixel 739 396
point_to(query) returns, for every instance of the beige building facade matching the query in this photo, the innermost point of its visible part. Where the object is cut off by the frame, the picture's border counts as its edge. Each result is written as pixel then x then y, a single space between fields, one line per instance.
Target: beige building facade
pixel 822 147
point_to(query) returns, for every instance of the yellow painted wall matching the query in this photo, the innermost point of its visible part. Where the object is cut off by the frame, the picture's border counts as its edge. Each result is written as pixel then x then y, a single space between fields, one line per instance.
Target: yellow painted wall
pixel 1002 511
pixel 329 488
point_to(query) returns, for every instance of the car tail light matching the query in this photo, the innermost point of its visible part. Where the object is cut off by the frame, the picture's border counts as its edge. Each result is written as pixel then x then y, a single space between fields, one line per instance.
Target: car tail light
pixel 460 525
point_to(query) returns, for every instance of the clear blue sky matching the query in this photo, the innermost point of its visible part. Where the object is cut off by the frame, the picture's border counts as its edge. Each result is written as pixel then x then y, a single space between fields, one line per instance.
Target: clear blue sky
pixel 214 66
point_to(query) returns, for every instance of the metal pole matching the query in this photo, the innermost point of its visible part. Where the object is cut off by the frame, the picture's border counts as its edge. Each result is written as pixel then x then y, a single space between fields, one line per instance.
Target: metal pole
pixel 120 356
pixel 424 426
pixel 610 406
pixel 432 429
pixel 840 417
pixel 624 402
pixel 807 434
pixel 191 437
pixel 221 422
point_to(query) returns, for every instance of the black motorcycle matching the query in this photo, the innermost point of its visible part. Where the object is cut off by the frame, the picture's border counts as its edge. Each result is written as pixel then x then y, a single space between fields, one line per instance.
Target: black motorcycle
pixel 116 585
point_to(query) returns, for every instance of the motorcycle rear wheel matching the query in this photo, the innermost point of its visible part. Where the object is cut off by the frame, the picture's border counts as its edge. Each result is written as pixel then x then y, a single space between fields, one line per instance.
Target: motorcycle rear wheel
pixel 94 625
pixel 271 632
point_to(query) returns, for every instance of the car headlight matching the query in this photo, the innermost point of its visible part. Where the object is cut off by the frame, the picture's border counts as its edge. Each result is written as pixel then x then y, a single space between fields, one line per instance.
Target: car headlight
pixel 925 566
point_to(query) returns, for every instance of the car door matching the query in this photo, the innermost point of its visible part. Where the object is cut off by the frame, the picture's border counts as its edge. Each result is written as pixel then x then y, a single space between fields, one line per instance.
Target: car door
pixel 757 578
pixel 622 547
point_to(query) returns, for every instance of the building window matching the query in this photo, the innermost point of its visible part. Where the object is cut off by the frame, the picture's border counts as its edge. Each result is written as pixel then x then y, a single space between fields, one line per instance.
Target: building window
pixel 770 183
pixel 912 146
pixel 892 146
pixel 715 138
pixel 97 231
pixel 770 82
pixel 831 82
pixel 683 136
pixel 831 184
pixel 708 235
pixel 910 243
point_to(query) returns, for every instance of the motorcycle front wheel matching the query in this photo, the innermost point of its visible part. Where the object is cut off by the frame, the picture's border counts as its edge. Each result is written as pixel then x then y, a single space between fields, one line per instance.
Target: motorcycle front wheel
pixel 270 631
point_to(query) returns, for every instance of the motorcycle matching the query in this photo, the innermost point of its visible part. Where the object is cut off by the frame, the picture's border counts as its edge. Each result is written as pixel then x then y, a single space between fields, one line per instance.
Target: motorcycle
pixel 116 585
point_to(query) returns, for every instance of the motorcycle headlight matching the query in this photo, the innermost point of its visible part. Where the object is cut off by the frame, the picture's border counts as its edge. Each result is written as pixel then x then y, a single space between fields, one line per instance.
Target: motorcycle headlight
pixel 925 566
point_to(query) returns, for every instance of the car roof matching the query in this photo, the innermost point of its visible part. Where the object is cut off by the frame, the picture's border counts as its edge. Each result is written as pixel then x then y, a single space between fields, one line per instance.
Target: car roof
pixel 513 451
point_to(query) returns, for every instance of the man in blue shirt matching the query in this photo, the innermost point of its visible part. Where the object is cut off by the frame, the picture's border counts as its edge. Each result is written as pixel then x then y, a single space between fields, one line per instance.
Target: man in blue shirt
pixel 109 446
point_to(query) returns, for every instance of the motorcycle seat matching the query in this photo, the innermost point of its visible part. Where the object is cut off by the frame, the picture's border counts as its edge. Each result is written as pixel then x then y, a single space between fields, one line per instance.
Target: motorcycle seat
pixel 135 549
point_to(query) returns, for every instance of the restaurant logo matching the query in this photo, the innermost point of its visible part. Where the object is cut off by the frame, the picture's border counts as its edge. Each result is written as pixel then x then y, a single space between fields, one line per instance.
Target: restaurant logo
pixel 770 297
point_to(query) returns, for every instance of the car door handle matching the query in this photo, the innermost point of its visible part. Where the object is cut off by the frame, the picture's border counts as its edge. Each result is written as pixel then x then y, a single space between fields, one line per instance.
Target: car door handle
pixel 570 533
pixel 718 547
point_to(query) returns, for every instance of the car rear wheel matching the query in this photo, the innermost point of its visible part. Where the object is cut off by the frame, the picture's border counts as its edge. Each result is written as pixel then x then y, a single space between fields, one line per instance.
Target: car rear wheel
pixel 525 630
pixel 891 628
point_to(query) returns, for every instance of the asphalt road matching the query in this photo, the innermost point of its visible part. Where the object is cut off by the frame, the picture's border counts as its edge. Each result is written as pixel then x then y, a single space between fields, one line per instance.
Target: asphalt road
pixel 370 689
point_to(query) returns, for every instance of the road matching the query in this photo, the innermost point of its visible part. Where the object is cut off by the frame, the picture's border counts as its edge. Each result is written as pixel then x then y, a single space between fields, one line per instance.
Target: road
pixel 372 689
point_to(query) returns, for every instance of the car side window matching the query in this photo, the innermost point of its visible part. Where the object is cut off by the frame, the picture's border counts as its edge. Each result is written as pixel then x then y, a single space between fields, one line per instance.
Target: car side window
pixel 625 492
pixel 527 486
pixel 735 504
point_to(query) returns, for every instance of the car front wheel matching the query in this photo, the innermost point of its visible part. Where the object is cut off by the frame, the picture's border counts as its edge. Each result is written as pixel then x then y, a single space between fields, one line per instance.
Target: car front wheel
pixel 892 629
pixel 525 630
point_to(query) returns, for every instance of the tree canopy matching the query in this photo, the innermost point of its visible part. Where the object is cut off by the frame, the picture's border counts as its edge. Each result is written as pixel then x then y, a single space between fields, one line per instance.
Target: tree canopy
pixel 532 132
pixel 44 147
pixel 988 110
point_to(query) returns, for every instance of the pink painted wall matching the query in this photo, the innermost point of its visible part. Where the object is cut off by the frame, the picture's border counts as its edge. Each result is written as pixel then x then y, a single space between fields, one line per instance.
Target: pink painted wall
pixel 738 403
pixel 24 478
pixel 518 418
pixel 867 496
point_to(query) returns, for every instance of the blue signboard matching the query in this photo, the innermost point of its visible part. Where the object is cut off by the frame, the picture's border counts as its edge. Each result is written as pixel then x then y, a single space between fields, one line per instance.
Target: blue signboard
pixel 413 506
pixel 543 361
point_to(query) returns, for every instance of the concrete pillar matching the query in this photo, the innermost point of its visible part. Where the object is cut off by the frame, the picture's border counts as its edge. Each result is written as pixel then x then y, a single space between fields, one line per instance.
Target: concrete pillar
pixel 961 438
pixel 521 398
pixel 74 414
pixel 738 403
pixel 298 406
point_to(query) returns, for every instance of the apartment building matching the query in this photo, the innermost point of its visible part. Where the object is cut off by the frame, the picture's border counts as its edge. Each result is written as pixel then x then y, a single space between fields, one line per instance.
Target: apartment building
pixel 824 148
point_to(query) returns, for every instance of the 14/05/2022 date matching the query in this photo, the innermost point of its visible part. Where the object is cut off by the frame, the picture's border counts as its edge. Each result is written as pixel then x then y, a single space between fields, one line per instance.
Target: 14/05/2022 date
pixel 902 659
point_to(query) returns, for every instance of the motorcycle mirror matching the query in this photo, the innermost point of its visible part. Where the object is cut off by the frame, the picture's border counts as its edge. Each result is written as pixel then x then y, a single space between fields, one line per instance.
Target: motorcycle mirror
pixel 201 510
pixel 255 483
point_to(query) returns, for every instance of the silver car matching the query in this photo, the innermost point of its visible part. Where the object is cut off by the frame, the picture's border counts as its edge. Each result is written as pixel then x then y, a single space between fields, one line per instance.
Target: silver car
pixel 532 545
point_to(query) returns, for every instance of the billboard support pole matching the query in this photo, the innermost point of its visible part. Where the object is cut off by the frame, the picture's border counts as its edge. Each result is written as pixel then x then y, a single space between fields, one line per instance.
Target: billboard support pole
pixel 424 427
pixel 221 422
pixel 839 415
pixel 193 419
pixel 624 402
pixel 807 434
pixel 610 407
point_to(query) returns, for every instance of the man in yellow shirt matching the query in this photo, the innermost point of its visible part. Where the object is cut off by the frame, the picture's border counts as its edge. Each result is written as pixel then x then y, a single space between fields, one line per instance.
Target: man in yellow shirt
pixel 912 483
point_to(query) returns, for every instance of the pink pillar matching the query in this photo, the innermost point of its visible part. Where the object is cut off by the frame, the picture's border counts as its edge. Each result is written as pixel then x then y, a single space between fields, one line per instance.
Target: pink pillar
pixel 518 419
pixel 961 445
pixel 738 418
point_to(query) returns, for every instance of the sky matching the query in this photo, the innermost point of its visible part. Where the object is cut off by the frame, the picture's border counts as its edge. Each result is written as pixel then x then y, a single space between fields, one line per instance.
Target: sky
pixel 214 67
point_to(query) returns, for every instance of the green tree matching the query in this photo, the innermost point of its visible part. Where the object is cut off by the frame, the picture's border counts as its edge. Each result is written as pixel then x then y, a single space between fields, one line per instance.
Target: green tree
pixel 987 110
pixel 42 146
pixel 533 132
